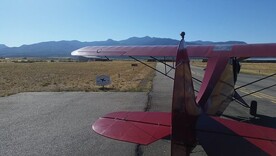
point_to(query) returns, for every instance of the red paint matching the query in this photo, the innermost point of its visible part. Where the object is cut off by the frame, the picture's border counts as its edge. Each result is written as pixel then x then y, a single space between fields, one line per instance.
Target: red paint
pixel 206 51
pixel 262 137
pixel 184 108
pixel 214 70
pixel 136 127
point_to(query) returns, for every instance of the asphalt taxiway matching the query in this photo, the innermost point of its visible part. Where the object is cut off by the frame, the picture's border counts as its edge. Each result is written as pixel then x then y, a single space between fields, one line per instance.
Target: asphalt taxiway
pixel 59 123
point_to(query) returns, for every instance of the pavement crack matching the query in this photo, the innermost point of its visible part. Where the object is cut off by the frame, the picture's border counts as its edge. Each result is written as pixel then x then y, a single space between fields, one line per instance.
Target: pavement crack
pixel 138 148
pixel 148 104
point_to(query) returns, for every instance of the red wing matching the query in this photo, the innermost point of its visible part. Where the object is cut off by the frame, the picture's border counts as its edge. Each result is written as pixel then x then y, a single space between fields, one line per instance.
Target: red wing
pixel 200 51
pixel 244 50
pixel 226 137
pixel 136 127
pixel 126 51
pixel 254 50
pixel 241 50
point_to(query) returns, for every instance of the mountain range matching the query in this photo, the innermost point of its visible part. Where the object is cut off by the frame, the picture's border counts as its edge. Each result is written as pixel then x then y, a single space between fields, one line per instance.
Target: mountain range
pixel 2 46
pixel 64 48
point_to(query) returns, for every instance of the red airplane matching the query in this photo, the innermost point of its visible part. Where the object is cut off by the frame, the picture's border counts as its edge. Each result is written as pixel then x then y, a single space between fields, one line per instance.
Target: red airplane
pixel 193 118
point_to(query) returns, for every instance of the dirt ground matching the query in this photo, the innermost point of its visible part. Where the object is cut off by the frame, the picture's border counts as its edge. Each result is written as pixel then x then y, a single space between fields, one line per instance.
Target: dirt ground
pixel 73 76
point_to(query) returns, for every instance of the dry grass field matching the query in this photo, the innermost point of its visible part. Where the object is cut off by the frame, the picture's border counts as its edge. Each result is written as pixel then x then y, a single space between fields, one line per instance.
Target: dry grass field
pixel 73 76
pixel 249 68
pixel 259 68
pixel 76 76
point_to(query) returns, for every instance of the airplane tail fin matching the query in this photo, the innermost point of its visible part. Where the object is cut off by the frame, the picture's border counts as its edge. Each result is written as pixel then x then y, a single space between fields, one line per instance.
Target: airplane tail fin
pixel 184 108
pixel 183 92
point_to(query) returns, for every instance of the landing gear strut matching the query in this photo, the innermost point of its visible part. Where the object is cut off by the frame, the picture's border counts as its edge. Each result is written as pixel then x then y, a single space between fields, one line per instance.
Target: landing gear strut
pixel 253 108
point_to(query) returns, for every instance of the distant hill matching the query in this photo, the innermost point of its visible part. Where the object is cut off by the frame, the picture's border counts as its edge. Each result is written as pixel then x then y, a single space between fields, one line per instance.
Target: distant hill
pixel 64 48
pixel 2 46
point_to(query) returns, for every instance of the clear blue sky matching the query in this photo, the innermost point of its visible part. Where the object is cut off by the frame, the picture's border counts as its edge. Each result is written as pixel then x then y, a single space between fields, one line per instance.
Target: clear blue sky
pixel 32 21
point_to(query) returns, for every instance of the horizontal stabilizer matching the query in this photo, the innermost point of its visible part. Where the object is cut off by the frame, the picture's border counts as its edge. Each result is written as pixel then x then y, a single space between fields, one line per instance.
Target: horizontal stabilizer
pixel 136 127
pixel 226 137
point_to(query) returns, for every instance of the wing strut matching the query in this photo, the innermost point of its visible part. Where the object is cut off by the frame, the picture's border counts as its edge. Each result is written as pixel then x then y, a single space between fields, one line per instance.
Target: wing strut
pixel 172 68
pixel 266 77
pixel 165 74
pixel 255 81
pixel 258 90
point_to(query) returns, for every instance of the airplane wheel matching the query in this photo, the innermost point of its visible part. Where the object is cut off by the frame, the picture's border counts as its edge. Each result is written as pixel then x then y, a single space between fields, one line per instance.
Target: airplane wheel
pixel 253 108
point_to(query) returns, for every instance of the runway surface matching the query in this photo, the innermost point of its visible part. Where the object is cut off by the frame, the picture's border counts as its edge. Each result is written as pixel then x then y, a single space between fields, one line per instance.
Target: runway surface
pixel 60 123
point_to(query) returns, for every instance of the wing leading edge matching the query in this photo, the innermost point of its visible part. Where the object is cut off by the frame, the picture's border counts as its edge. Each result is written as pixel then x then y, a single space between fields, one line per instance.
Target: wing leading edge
pixel 126 51
pixel 203 51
